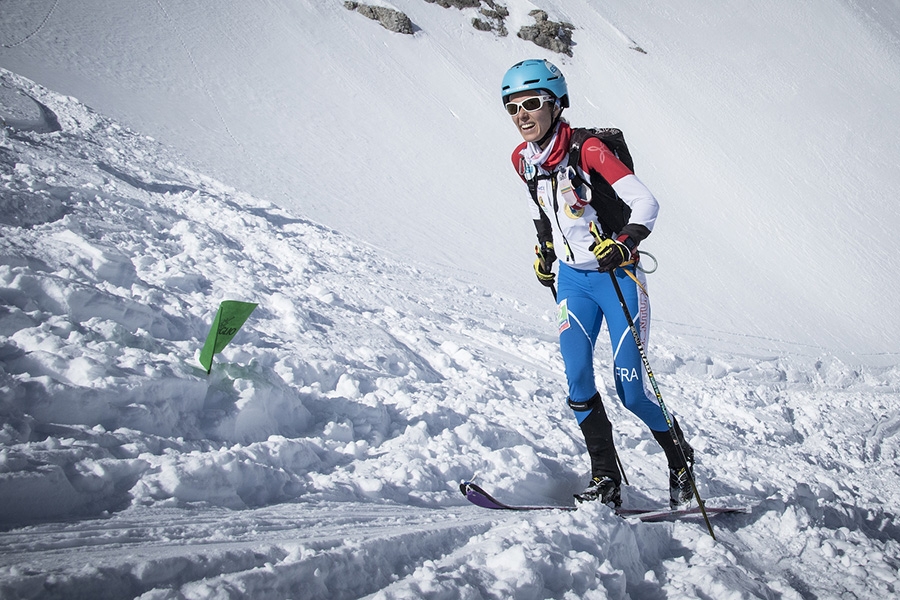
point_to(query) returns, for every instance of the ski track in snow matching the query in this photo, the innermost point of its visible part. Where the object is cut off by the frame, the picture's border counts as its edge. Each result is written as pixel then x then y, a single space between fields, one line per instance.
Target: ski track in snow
pixel 320 458
pixel 274 552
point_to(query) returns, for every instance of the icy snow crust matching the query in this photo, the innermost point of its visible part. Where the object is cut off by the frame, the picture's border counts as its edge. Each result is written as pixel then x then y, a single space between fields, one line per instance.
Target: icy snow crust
pixel 321 456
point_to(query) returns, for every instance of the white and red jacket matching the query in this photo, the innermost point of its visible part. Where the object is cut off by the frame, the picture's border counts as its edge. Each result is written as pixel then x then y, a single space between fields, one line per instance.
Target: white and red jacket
pixel 569 210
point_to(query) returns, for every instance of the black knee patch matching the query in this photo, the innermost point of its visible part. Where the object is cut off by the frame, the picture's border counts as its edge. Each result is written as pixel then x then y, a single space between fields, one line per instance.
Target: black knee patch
pixel 585 405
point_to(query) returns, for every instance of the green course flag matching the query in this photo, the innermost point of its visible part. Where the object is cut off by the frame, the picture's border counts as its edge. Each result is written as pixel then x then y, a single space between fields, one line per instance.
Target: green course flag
pixel 229 318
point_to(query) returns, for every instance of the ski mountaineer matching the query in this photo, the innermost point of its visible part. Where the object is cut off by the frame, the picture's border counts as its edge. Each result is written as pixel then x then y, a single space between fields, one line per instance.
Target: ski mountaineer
pixel 535 94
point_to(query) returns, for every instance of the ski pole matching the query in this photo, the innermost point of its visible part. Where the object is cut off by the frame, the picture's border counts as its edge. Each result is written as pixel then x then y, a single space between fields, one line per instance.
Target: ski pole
pixel 652 379
pixel 621 469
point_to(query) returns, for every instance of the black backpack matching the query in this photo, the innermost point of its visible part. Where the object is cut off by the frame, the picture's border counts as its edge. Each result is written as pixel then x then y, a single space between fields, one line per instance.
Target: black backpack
pixel 612 212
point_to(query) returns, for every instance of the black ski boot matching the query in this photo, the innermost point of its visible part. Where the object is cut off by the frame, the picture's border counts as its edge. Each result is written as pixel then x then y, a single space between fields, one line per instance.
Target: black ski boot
pixel 680 489
pixel 680 473
pixel 602 489
pixel 598 436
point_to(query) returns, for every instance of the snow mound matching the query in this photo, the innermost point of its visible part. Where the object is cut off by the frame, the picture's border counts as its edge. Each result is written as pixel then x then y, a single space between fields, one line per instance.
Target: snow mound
pixel 320 457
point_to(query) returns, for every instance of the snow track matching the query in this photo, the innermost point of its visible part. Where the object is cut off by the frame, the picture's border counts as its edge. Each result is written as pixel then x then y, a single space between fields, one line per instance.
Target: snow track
pixel 275 552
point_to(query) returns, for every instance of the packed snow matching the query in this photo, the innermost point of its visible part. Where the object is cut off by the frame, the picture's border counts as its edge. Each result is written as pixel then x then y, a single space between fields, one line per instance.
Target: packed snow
pixel 321 456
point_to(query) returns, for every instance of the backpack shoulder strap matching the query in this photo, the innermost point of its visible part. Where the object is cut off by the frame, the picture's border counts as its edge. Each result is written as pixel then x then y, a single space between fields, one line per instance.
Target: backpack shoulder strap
pixel 542 223
pixel 611 211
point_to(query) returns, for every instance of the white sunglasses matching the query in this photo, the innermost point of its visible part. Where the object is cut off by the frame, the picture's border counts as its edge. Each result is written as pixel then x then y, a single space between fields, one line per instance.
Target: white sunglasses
pixel 529 104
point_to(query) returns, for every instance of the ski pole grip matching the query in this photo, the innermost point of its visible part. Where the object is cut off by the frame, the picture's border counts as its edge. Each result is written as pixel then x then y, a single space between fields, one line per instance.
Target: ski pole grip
pixel 598 235
pixel 540 255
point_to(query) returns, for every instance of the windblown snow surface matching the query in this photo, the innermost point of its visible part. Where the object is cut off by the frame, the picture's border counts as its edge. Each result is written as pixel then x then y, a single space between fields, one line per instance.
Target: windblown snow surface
pixel 320 458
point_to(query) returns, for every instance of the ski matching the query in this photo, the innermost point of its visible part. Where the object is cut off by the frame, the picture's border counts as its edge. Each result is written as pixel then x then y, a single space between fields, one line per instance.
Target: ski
pixel 477 496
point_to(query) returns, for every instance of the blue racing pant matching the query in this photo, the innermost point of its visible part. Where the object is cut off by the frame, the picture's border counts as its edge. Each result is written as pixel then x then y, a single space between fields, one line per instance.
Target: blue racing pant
pixel 585 298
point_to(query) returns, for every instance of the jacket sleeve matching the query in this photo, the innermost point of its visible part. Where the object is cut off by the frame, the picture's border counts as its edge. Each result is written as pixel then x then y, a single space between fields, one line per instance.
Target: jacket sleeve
pixel 597 157
pixel 644 207
pixel 544 229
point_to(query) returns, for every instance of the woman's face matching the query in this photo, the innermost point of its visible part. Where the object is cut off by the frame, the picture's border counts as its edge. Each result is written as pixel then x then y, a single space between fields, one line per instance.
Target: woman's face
pixel 532 125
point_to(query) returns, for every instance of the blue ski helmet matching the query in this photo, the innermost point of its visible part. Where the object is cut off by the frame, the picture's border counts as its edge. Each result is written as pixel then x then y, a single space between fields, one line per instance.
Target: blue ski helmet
pixel 534 74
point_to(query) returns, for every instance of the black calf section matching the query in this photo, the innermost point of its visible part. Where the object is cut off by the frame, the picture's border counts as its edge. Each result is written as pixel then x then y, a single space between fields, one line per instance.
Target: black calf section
pixel 673 456
pixel 598 437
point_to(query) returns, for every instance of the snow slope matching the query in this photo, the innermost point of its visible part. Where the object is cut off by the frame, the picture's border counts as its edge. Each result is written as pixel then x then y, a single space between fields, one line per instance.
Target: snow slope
pixel 388 359
pixel 320 458
pixel 764 128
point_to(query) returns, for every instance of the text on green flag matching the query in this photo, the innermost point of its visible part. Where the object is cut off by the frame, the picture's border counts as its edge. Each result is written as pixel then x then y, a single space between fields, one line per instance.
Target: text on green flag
pixel 229 318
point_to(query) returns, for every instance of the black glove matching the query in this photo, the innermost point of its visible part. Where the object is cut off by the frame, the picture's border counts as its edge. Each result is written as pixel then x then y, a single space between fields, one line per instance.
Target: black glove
pixel 609 253
pixel 544 262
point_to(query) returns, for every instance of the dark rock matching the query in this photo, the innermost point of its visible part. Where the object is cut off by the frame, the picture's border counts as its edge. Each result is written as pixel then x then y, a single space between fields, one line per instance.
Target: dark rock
pixel 390 19
pixel 548 34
